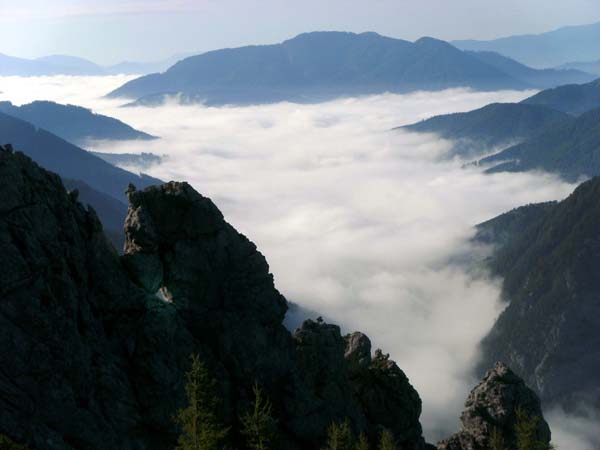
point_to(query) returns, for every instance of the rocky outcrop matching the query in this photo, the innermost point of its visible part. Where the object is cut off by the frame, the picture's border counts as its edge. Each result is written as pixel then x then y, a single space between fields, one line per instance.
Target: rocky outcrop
pixel 492 407
pixel 95 345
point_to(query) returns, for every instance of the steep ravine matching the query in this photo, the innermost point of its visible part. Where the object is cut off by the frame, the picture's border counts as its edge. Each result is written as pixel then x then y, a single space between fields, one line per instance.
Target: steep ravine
pixel 93 359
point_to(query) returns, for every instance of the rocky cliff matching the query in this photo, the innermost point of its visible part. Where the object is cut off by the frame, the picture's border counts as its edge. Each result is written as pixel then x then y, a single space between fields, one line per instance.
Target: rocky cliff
pixel 550 260
pixel 95 345
pixel 492 408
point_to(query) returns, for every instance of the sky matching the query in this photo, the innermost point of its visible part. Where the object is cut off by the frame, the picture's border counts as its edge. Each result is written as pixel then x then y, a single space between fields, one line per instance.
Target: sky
pixel 110 31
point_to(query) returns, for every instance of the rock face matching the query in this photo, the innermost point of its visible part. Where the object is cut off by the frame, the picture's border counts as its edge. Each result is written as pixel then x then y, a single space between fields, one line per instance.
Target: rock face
pixel 93 358
pixel 548 333
pixel 492 407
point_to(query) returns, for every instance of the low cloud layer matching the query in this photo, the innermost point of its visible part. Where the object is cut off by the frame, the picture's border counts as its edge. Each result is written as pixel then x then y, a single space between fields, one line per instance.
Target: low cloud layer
pixel 357 222
pixel 579 430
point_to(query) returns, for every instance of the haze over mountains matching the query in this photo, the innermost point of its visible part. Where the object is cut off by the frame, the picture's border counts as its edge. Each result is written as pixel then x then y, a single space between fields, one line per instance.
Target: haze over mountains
pixel 323 65
pixel 539 133
pixel 550 49
pixel 73 123
pixel 73 65
pixel 491 127
pixel 539 78
pixel 589 67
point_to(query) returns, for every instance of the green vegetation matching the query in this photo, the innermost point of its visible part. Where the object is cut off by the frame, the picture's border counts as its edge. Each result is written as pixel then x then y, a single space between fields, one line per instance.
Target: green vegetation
pixel 9 444
pixel 340 437
pixel 526 431
pixel 362 443
pixel 497 440
pixel 258 425
pixel 200 427
pixel 387 441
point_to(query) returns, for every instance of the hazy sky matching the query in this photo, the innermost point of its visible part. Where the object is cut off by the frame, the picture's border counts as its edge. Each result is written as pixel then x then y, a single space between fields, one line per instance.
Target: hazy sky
pixel 108 31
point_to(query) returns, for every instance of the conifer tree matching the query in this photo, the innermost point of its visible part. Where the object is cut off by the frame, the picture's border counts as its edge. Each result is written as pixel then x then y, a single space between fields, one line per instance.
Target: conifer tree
pixel 200 427
pixel 387 441
pixel 496 440
pixel 526 432
pixel 340 437
pixel 258 425
pixel 362 443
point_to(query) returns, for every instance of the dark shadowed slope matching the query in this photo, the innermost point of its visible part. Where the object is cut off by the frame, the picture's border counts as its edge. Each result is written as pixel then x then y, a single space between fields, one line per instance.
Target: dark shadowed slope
pixel 549 331
pixel 318 65
pixel 504 228
pixel 68 160
pixel 575 43
pixel 82 325
pixel 73 123
pixel 491 127
pixel 570 149
pixel 111 212
pixel 543 79
pixel 573 98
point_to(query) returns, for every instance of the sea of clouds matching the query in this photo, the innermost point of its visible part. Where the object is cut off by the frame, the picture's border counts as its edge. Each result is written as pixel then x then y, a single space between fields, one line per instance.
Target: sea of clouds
pixel 358 222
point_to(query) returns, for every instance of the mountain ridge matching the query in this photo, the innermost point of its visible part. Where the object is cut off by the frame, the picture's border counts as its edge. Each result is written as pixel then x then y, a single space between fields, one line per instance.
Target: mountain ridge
pixel 549 49
pixel 548 264
pixel 73 123
pixel 491 127
pixel 319 65
pixel 570 149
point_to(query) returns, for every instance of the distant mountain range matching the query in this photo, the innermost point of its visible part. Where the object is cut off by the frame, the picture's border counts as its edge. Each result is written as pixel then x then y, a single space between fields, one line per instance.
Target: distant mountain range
pixel 548 256
pixel 551 49
pixel 544 78
pixel 324 65
pixel 72 65
pixel 49 65
pixel 592 67
pixel 494 126
pixel 73 123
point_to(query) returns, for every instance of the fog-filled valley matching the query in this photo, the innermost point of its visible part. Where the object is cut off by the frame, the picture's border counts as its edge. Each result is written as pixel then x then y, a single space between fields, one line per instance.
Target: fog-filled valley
pixel 367 226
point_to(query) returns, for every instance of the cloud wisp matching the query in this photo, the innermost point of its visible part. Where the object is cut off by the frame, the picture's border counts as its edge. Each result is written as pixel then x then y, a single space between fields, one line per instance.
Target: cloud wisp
pixel 357 222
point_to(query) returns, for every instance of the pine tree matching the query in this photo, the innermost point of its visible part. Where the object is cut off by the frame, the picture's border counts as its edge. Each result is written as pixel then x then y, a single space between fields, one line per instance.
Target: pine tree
pixel 258 425
pixel 526 431
pixel 362 443
pixel 387 441
pixel 496 440
pixel 200 427
pixel 340 437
